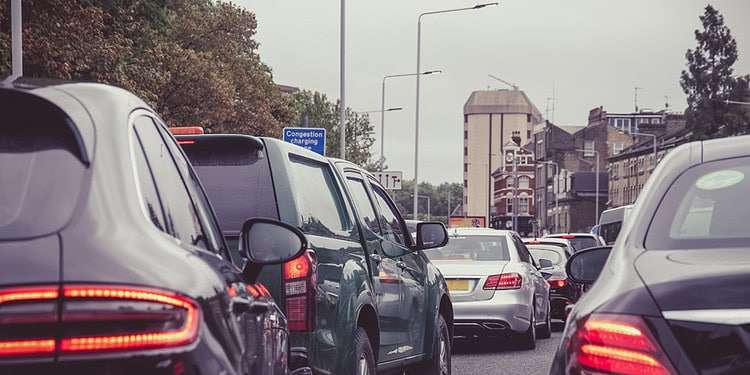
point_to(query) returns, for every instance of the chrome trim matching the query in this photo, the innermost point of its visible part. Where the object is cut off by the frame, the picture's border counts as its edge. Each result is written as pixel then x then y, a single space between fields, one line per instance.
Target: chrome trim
pixel 715 316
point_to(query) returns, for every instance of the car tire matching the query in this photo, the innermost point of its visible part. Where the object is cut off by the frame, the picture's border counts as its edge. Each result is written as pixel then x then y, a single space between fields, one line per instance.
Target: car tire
pixel 364 357
pixel 546 331
pixel 440 363
pixel 528 338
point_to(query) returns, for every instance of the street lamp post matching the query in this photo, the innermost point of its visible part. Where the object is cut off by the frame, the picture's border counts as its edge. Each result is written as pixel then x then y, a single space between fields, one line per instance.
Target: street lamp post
pixel 428 205
pixel 342 82
pixel 557 175
pixel 383 110
pixel 16 40
pixel 596 188
pixel 416 108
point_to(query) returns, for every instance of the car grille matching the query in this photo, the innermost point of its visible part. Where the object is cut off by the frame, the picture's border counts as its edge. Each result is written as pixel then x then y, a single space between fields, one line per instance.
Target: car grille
pixel 715 348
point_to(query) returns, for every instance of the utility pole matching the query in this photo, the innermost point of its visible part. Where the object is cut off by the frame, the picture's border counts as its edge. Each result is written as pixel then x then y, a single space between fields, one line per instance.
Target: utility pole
pixel 635 97
pixel 16 40
pixel 342 109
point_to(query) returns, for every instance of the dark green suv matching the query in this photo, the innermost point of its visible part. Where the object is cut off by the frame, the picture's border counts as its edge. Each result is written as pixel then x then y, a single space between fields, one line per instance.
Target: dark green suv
pixel 364 298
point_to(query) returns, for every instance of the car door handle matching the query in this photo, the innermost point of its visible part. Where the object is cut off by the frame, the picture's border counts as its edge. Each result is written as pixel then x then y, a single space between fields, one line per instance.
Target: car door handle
pixel 376 258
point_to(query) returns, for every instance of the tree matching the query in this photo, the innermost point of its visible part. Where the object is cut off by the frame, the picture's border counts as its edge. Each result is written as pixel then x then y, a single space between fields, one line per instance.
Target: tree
pixel 438 199
pixel 708 82
pixel 313 109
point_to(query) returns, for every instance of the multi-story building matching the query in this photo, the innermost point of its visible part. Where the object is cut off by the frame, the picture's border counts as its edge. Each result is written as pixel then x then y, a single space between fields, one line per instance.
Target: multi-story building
pixel 492 118
pixel 577 200
pixel 514 190
pixel 630 169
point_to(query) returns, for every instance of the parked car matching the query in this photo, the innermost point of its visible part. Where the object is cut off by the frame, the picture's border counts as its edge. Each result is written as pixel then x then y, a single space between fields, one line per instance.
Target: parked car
pixel 675 300
pixel 112 260
pixel 579 241
pixel 365 297
pixel 496 286
pixel 562 292
pixel 564 244
pixel 611 222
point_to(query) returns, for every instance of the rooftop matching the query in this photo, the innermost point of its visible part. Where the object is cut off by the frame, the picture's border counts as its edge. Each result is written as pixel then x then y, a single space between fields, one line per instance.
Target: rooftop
pixel 501 101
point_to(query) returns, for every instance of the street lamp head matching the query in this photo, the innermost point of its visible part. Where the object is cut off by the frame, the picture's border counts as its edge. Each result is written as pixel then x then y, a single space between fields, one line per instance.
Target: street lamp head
pixel 431 72
pixel 480 6
pixel 394 109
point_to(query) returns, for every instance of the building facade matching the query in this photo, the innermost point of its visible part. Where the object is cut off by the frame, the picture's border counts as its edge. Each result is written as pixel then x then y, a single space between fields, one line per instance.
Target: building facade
pixel 492 118
pixel 514 190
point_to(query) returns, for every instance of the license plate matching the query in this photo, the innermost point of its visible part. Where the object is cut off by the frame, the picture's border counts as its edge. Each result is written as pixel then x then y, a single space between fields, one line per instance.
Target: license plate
pixel 458 285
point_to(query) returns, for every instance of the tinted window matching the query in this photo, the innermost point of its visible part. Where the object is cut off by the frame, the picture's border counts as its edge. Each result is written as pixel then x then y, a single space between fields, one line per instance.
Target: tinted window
pixel 393 229
pixel 610 231
pixel 321 208
pixel 237 179
pixel 364 205
pixel 181 219
pixel 480 248
pixel 523 253
pixel 149 195
pixel 706 207
pixel 580 243
pixel 550 254
pixel 41 173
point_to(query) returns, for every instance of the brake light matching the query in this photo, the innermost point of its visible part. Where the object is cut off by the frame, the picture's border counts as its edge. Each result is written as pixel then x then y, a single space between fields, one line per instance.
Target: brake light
pixel 186 130
pixel 557 283
pixel 94 318
pixel 300 276
pixel 618 344
pixel 186 142
pixel 568 236
pixel 503 282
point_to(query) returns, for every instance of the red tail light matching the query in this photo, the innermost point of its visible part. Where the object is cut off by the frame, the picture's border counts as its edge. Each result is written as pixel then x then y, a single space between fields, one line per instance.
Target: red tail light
pixel 299 291
pixel 618 344
pixel 568 236
pixel 94 318
pixel 186 130
pixel 503 282
pixel 557 283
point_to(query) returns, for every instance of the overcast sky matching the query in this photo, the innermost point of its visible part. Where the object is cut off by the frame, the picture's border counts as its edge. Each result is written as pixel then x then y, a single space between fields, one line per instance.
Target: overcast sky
pixel 592 51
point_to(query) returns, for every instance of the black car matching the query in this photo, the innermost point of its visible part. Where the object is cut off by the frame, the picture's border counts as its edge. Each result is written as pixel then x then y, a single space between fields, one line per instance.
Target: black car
pixel 364 298
pixel 673 295
pixel 111 259
pixel 562 292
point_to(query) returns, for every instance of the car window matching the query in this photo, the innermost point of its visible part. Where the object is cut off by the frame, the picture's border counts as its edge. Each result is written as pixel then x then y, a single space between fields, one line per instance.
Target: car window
pixel 393 227
pixel 363 203
pixel 580 243
pixel 523 253
pixel 319 200
pixel 150 200
pixel 706 207
pixel 180 217
pixel 479 248
pixel 546 253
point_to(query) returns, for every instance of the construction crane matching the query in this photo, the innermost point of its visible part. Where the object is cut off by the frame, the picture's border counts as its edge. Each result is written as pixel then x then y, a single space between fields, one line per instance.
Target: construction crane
pixel 515 87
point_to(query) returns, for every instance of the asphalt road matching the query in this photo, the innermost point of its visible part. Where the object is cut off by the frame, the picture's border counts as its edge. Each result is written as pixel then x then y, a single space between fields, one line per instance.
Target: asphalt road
pixel 501 358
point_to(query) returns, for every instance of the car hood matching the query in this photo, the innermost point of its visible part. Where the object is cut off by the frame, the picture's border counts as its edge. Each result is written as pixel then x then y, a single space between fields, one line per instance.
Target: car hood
pixel 697 279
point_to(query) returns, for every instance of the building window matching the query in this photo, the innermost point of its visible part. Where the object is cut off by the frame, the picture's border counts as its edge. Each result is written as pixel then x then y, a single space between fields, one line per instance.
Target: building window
pixel 466 151
pixel 466 183
pixel 509 205
pixel 617 148
pixel 588 148
pixel 523 205
pixel 466 167
pixel 656 121
pixel 611 121
pixel 466 134
pixel 523 182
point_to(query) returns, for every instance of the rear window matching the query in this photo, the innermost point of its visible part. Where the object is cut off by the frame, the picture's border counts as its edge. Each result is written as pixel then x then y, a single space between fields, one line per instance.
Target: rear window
pixel 237 178
pixel 546 252
pixel 41 172
pixel 582 242
pixel 480 248
pixel 706 207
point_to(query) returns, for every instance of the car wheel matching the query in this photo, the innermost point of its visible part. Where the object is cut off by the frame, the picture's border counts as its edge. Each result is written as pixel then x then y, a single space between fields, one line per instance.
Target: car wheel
pixel 546 331
pixel 528 338
pixel 363 353
pixel 440 363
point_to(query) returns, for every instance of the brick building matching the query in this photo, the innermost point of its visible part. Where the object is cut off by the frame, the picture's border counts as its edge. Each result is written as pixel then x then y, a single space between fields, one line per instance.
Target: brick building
pixel 520 186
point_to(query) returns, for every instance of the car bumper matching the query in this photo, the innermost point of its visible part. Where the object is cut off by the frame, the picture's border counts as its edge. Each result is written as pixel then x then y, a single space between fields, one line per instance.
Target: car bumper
pixel 506 312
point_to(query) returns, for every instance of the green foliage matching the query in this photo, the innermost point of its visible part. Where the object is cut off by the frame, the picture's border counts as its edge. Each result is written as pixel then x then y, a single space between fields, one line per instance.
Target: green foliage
pixel 194 61
pixel 313 109
pixel 708 82
pixel 438 199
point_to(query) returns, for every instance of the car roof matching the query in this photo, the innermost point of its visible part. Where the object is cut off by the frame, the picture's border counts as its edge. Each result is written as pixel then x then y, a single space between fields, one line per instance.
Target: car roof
pixel 472 231
pixel 561 241
pixel 559 235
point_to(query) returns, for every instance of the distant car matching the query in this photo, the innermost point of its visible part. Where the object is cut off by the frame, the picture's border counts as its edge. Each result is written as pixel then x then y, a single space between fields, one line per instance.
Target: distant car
pixel 562 291
pixel 564 244
pixel 673 294
pixel 112 259
pixel 496 286
pixel 579 241
pixel 611 222
pixel 364 297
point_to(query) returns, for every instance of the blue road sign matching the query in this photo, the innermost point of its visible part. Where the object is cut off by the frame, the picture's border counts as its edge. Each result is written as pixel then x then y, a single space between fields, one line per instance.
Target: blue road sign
pixel 313 139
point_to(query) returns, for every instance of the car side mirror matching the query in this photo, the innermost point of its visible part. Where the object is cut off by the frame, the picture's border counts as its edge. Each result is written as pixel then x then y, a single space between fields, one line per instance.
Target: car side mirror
pixel 431 235
pixel 545 263
pixel 267 241
pixel 585 266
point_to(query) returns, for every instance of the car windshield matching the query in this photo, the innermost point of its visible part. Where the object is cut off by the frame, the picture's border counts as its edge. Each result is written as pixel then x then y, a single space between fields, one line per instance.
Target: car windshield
pixel 481 248
pixel 704 209
pixel 546 252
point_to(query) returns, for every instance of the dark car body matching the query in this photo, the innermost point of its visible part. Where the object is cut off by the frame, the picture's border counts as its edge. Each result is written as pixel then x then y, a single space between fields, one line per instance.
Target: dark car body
pixel 562 292
pixel 112 260
pixel 678 277
pixel 363 278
